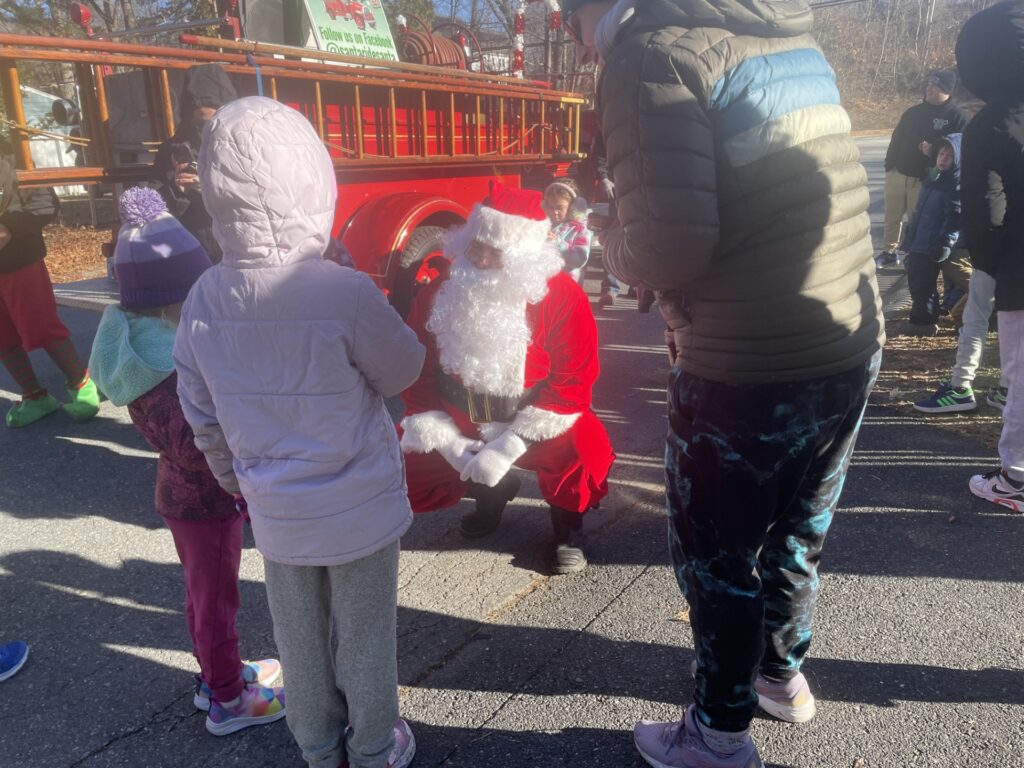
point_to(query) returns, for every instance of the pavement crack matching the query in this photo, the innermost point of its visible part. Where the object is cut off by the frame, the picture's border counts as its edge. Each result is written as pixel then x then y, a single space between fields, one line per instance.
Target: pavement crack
pixel 132 731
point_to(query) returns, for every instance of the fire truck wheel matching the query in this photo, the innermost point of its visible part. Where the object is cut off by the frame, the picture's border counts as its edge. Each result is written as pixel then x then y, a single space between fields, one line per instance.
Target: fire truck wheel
pixel 417 267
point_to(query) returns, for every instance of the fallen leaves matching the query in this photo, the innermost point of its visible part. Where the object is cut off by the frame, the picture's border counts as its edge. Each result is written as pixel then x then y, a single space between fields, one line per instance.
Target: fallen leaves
pixel 75 253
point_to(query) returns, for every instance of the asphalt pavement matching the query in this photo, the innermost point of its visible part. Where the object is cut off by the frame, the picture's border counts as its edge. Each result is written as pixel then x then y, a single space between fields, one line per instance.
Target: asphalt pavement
pixel 918 657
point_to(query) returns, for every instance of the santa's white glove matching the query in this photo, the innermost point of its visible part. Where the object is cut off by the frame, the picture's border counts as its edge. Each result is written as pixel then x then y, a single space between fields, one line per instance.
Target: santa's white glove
pixel 459 451
pixel 495 459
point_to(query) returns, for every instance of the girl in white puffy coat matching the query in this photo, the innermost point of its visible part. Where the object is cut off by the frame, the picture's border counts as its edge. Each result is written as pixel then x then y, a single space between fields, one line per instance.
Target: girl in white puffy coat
pixel 283 362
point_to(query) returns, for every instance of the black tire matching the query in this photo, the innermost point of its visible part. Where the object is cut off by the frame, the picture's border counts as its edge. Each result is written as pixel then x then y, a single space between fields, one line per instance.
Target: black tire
pixel 422 242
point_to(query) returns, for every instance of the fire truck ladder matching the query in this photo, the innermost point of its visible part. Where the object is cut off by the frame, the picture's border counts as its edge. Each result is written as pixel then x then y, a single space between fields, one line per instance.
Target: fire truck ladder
pixel 369 114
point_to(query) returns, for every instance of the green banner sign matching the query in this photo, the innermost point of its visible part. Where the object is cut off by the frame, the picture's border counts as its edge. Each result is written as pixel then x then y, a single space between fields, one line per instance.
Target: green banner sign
pixel 356 28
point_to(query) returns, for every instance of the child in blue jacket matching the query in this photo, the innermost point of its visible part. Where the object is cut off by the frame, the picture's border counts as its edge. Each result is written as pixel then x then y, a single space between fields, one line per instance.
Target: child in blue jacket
pixel 933 234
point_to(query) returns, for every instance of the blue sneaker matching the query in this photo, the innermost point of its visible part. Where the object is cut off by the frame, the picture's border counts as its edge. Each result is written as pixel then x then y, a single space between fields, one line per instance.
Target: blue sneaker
pixel 948 399
pixel 12 658
pixel 261 673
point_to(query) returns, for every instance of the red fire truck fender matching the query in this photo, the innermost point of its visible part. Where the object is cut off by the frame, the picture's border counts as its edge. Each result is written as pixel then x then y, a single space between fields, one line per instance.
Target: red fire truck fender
pixel 377 233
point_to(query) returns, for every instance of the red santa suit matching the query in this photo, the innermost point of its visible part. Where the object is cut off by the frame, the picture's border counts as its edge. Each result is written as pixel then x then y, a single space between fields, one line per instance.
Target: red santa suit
pixel 518 345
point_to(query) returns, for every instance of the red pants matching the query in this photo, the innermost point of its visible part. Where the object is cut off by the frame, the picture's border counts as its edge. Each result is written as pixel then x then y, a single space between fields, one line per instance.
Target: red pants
pixel 572 470
pixel 28 311
pixel 210 552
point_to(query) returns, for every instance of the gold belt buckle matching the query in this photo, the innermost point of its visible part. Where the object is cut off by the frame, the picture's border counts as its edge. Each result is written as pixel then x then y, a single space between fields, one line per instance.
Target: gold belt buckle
pixel 474 415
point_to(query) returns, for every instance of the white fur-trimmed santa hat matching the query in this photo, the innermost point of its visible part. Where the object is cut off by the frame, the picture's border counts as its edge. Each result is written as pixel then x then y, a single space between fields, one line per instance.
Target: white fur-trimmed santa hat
pixel 509 219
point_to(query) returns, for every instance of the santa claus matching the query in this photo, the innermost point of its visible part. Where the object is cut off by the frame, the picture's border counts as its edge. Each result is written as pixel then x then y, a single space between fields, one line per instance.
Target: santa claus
pixel 511 360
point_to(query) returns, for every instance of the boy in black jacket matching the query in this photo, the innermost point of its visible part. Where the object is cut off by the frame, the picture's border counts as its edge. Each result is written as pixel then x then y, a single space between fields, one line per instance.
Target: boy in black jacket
pixel 990 55
pixel 910 151
pixel 28 312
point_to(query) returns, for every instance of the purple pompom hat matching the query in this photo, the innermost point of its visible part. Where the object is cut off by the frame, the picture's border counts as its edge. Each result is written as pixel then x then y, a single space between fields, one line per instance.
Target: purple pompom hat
pixel 156 259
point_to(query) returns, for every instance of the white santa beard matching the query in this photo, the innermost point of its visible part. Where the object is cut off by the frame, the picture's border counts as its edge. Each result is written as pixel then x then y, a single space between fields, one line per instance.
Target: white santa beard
pixel 479 319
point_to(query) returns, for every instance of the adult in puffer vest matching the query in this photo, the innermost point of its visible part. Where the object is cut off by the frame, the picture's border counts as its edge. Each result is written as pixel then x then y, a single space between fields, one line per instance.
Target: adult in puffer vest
pixel 283 362
pixel 157 261
pixel 742 201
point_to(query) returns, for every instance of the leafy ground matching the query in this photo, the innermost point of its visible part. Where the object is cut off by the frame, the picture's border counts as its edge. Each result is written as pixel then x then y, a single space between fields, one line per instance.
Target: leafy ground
pixel 912 368
pixel 74 253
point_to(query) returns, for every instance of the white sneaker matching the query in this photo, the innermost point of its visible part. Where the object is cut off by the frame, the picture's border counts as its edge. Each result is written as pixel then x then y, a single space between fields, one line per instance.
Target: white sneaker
pixel 997 487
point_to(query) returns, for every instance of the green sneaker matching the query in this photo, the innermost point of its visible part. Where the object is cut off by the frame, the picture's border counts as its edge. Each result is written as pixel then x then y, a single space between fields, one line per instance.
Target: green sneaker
pixel 84 402
pixel 31 410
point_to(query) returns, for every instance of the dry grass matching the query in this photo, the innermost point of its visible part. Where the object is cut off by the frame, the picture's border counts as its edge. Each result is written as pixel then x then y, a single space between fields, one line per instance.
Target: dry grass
pixel 912 368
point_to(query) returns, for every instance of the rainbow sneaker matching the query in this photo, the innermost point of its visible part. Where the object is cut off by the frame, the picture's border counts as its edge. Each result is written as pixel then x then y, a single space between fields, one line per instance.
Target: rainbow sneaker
pixel 255 706
pixel 264 672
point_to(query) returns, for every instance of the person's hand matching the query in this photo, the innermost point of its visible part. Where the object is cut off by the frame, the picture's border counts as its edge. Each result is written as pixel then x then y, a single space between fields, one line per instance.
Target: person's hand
pixel 552 235
pixel 241 506
pixel 186 181
pixel 460 451
pixel 943 254
pixel 607 189
pixel 926 148
pixel 495 459
pixel 5 236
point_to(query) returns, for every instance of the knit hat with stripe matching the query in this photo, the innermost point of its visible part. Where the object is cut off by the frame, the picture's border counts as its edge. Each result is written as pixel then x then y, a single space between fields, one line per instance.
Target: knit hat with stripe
pixel 156 259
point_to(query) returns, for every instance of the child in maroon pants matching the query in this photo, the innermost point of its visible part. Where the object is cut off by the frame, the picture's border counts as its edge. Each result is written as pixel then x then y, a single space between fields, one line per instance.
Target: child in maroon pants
pixel 28 312
pixel 157 261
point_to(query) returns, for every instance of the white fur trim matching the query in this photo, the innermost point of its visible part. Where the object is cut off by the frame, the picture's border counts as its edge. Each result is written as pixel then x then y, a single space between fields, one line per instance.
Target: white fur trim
pixel 505 231
pixel 492 430
pixel 428 431
pixel 538 425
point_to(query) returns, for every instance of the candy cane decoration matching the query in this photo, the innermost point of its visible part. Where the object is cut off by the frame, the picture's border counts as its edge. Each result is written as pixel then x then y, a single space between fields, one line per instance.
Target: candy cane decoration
pixel 519 30
pixel 519 41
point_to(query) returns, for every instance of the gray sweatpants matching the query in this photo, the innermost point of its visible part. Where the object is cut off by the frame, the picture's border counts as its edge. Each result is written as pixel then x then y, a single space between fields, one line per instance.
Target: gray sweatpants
pixel 981 302
pixel 335 628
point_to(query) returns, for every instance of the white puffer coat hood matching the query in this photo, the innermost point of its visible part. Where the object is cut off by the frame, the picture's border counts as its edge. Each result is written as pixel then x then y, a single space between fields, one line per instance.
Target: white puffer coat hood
pixel 283 358
pixel 268 184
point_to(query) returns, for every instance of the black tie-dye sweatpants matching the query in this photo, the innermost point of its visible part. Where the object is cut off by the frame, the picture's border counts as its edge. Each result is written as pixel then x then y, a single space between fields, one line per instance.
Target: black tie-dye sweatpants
pixel 753 476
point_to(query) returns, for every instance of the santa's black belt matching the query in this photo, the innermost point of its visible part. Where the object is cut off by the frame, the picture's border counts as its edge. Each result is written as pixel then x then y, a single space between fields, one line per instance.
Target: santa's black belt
pixel 481 407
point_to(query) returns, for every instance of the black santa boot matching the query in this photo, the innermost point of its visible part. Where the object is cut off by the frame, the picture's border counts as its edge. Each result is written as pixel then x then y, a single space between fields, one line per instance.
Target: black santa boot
pixel 490 503
pixel 569 540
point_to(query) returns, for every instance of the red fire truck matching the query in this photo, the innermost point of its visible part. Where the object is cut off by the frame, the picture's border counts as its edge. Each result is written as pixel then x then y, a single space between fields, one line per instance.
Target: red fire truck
pixel 413 145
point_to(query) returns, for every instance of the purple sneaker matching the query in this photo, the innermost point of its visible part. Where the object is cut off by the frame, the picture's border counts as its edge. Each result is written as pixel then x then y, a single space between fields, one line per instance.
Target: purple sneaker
pixel 789 700
pixel 681 745
pixel 405 746
pixel 264 672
